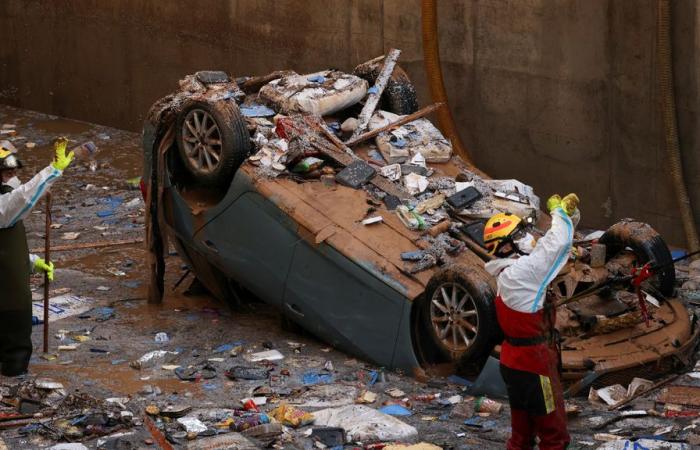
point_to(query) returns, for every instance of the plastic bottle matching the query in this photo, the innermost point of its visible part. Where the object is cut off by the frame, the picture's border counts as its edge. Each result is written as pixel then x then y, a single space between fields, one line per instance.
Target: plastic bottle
pixel 86 152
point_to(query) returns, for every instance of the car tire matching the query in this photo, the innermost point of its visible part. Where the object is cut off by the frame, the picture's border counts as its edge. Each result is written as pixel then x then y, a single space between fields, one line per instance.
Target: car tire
pixel 648 245
pixel 212 141
pixel 471 295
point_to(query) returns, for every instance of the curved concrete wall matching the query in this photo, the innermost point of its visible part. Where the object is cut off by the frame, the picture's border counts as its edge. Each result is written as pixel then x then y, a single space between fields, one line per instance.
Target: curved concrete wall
pixel 558 93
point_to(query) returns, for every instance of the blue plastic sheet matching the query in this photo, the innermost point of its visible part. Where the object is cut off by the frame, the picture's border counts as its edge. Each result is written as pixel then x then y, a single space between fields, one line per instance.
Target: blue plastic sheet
pixel 395 410
pixel 311 378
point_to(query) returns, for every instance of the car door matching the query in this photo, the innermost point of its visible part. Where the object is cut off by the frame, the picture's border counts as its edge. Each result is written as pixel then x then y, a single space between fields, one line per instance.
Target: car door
pixel 252 241
pixel 342 303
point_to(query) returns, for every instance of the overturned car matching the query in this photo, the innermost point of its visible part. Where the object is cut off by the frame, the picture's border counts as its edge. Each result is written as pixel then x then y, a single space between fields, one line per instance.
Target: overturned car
pixel 332 197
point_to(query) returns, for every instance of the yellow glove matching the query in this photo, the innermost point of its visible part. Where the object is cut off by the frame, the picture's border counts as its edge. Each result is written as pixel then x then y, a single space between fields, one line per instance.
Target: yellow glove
pixel 41 265
pixel 570 204
pixel 61 160
pixel 553 203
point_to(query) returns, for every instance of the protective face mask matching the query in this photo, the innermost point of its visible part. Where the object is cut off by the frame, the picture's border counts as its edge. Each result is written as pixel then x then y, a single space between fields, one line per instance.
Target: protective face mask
pixel 14 182
pixel 526 244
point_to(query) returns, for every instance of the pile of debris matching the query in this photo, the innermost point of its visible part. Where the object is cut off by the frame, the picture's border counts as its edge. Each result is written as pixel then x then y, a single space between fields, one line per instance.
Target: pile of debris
pixel 309 127
pixel 41 410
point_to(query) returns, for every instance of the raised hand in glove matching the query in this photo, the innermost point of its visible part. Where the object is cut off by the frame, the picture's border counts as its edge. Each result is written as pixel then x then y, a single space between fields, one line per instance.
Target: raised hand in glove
pixel 553 203
pixel 569 203
pixel 61 160
pixel 43 266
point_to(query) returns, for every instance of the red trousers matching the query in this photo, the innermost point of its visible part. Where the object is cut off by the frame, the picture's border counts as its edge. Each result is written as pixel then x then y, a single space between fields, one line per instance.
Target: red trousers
pixel 551 429
pixel 537 409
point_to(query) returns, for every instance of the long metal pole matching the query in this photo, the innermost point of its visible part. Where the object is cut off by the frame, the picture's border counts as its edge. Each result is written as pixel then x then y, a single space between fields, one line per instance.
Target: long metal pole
pixel 47 258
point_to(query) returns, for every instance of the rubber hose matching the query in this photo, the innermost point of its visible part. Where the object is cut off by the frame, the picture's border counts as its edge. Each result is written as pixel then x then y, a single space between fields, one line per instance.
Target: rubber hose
pixel 668 113
pixel 433 70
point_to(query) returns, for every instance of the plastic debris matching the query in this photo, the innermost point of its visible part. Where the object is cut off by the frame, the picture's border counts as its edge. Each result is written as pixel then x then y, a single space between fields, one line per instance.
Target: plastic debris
pixel 151 359
pixel 395 410
pixel 391 171
pixel 192 424
pixel 415 184
pixel 247 373
pixel 365 424
pixel 291 417
pixel 269 355
pixel 372 220
pixel 311 378
pixel 255 110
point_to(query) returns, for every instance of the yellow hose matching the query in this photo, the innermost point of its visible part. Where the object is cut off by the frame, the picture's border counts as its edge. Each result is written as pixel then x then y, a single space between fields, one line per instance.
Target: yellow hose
pixel 668 112
pixel 433 70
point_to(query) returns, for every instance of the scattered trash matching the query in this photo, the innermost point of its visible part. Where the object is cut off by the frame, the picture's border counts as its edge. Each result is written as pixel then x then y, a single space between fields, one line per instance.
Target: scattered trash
pixel 372 220
pixel 395 410
pixel 415 184
pixel 396 393
pixel 291 417
pixel 486 405
pixel 152 359
pixel 311 378
pixel 161 338
pixel 365 424
pixel 417 137
pixel 62 306
pixel 247 373
pixel 356 174
pixel 254 110
pixel 611 395
pixel 321 93
pixel 192 424
pixel 270 355
pixel 392 172
pixel 329 436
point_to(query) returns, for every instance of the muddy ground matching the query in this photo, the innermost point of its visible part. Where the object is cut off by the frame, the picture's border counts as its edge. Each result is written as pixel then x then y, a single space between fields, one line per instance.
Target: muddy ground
pixel 101 206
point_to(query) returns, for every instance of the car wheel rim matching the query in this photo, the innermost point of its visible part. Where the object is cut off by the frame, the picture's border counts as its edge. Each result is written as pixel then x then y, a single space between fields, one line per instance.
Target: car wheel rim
pixel 201 138
pixel 454 317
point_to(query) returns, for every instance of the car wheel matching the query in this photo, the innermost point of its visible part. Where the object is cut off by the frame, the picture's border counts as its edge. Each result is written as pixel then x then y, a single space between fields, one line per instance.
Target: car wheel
pixel 457 317
pixel 647 245
pixel 212 141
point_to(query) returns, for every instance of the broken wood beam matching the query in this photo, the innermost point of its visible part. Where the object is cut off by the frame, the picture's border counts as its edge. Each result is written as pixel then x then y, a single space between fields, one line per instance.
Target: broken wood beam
pixel 86 245
pixel 404 120
pixel 253 84
pixel 338 153
pixel 376 92
pixel 334 139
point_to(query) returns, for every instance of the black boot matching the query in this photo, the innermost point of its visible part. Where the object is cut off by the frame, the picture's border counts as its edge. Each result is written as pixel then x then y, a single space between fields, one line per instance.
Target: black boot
pixel 16 338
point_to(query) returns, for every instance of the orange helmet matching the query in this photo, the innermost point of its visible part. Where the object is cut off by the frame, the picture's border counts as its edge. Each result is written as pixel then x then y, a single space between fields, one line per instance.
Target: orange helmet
pixel 500 228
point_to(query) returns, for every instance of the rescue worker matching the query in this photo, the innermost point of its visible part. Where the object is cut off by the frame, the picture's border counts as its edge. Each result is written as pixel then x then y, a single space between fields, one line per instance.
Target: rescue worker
pixel 526 314
pixel 16 264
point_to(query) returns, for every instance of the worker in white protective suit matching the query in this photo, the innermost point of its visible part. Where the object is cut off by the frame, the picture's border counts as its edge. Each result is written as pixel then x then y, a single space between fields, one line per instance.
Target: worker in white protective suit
pixel 16 264
pixel 530 355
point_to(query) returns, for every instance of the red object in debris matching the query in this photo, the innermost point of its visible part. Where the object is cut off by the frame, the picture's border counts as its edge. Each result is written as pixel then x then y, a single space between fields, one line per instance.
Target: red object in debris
pixel 250 406
pixel 144 191
pixel 682 413
pixel 425 398
pixel 640 276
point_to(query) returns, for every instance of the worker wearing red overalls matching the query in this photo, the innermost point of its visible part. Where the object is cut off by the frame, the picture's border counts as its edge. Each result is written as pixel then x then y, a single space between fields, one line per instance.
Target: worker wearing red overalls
pixel 529 353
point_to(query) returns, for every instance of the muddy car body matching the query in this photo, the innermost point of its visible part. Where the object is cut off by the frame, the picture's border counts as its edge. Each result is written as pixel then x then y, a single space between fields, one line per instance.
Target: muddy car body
pixel 299 244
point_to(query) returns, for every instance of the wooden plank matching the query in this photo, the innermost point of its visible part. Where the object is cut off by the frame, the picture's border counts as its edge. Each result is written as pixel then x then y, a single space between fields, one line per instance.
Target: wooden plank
pixel 379 86
pixel 101 244
pixel 339 154
pixel 404 120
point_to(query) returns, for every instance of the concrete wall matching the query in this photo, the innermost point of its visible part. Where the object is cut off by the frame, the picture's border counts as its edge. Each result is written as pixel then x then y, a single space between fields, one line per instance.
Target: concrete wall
pixel 558 93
